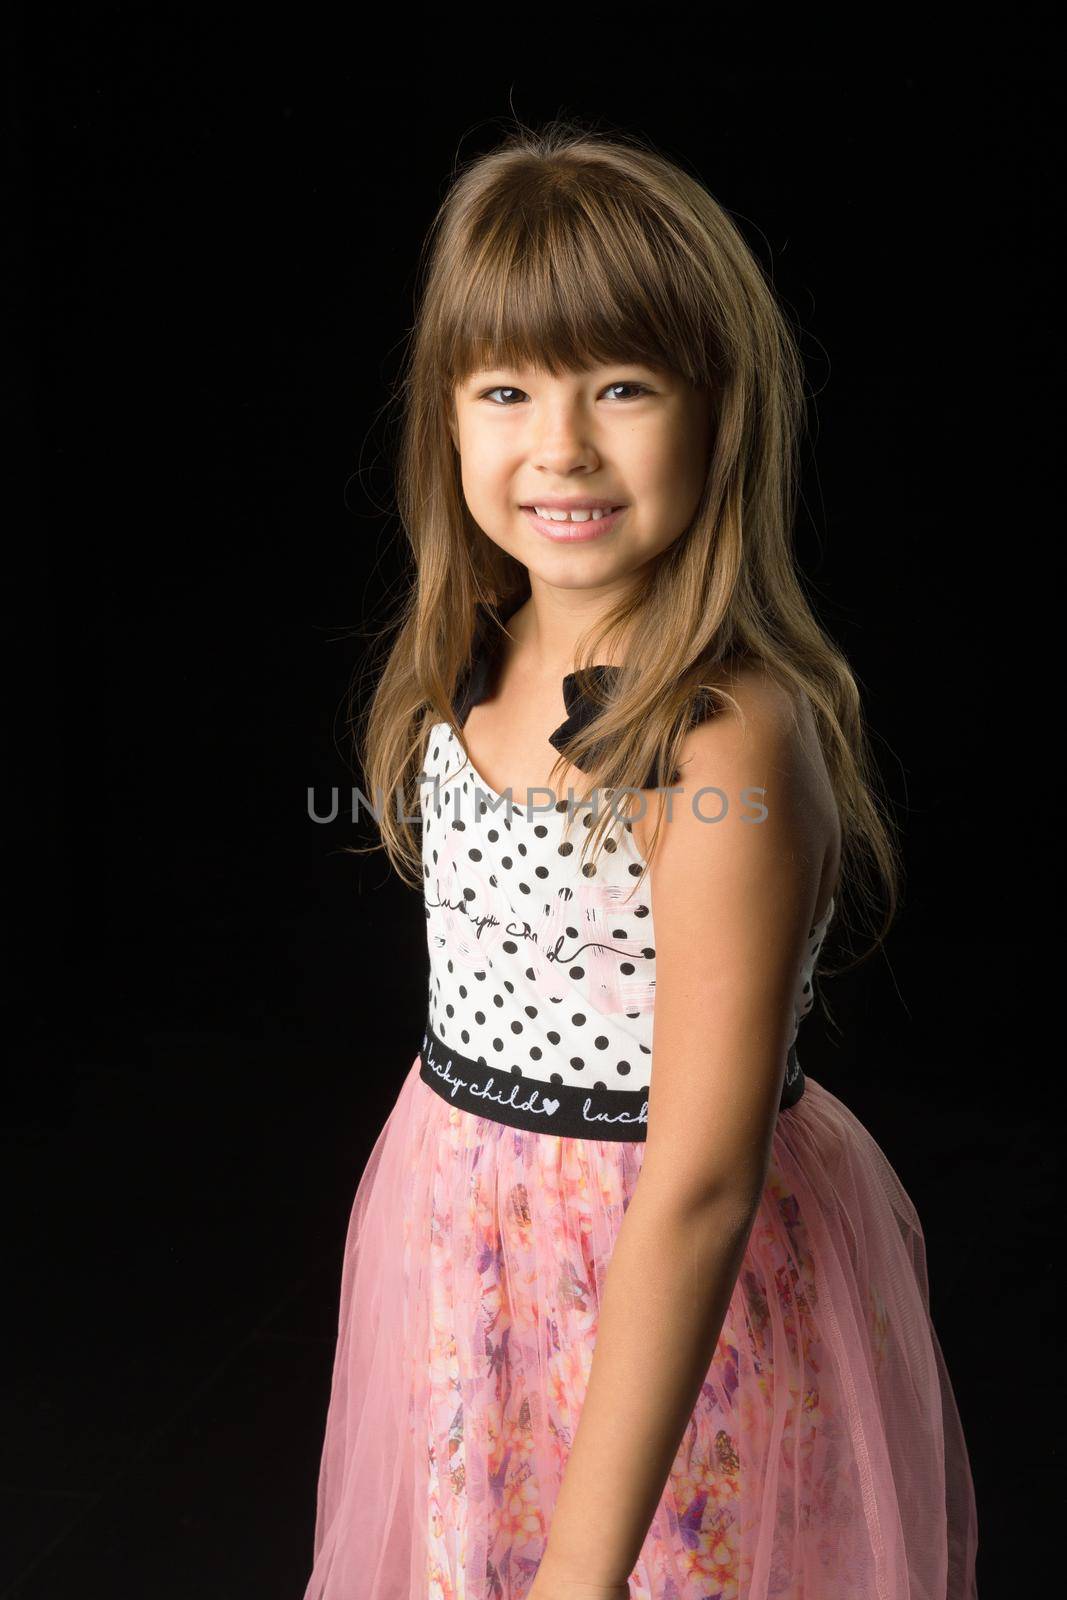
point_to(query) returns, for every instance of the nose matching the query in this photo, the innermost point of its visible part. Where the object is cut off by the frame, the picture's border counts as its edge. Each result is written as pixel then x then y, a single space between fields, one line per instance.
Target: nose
pixel 563 442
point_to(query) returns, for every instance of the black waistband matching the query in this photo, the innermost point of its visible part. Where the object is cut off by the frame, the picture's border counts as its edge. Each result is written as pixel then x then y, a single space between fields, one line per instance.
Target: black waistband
pixel 507 1096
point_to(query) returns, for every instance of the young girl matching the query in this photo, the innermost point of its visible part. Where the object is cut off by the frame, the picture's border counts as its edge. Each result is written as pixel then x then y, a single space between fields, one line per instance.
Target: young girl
pixel 629 1305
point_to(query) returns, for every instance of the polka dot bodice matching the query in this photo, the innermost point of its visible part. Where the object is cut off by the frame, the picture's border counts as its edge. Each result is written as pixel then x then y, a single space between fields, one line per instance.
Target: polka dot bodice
pixel 542 975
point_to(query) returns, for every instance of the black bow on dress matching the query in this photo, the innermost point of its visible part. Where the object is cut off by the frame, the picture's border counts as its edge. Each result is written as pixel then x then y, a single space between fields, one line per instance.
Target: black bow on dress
pixel 581 706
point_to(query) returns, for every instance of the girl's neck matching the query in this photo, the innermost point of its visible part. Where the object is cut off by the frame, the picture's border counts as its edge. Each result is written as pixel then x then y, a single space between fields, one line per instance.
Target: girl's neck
pixel 545 633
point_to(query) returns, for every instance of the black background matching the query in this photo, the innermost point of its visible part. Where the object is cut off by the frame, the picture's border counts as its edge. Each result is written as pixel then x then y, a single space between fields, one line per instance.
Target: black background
pixel 216 224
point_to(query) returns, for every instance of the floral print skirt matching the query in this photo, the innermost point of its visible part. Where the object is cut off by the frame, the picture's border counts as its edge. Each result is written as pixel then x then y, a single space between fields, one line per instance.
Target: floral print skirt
pixel 824 1459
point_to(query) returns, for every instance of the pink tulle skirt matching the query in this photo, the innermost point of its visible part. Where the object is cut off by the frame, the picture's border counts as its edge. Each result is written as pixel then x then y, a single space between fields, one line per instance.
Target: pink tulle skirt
pixel 824 1460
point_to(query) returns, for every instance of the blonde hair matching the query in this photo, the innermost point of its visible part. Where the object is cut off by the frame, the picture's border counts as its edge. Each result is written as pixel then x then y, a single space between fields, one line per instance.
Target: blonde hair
pixel 564 249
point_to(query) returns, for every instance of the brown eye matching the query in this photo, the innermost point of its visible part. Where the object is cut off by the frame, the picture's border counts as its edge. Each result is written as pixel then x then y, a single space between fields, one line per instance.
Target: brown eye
pixel 623 384
pixel 501 388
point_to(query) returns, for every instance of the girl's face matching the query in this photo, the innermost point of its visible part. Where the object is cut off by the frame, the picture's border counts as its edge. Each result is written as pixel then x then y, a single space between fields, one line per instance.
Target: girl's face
pixel 621 435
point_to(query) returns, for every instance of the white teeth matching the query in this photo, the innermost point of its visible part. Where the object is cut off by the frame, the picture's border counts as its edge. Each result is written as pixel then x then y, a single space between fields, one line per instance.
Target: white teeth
pixel 569 516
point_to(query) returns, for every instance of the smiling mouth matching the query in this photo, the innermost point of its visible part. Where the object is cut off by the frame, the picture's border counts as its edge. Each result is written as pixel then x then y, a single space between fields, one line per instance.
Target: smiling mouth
pixel 606 510
pixel 595 524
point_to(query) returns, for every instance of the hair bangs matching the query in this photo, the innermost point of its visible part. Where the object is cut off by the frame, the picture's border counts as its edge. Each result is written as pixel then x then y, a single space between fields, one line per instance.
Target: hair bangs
pixel 564 286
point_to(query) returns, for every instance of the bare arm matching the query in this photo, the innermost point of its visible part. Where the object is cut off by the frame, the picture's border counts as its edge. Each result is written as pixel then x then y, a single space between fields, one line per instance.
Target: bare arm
pixel 733 903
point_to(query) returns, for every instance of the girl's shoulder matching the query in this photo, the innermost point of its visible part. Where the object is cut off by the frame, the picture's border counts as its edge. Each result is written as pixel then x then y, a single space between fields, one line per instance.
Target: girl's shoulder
pixel 751 734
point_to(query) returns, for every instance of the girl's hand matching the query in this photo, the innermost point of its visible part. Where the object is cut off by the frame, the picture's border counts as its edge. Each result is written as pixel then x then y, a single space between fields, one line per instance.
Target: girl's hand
pixel 555 1583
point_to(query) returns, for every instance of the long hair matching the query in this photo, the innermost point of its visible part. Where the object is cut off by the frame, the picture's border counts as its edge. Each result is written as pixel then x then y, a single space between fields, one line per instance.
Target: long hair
pixel 563 249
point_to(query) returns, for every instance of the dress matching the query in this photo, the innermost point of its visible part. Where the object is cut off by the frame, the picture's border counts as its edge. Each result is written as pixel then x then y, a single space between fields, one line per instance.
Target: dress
pixel 825 1458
